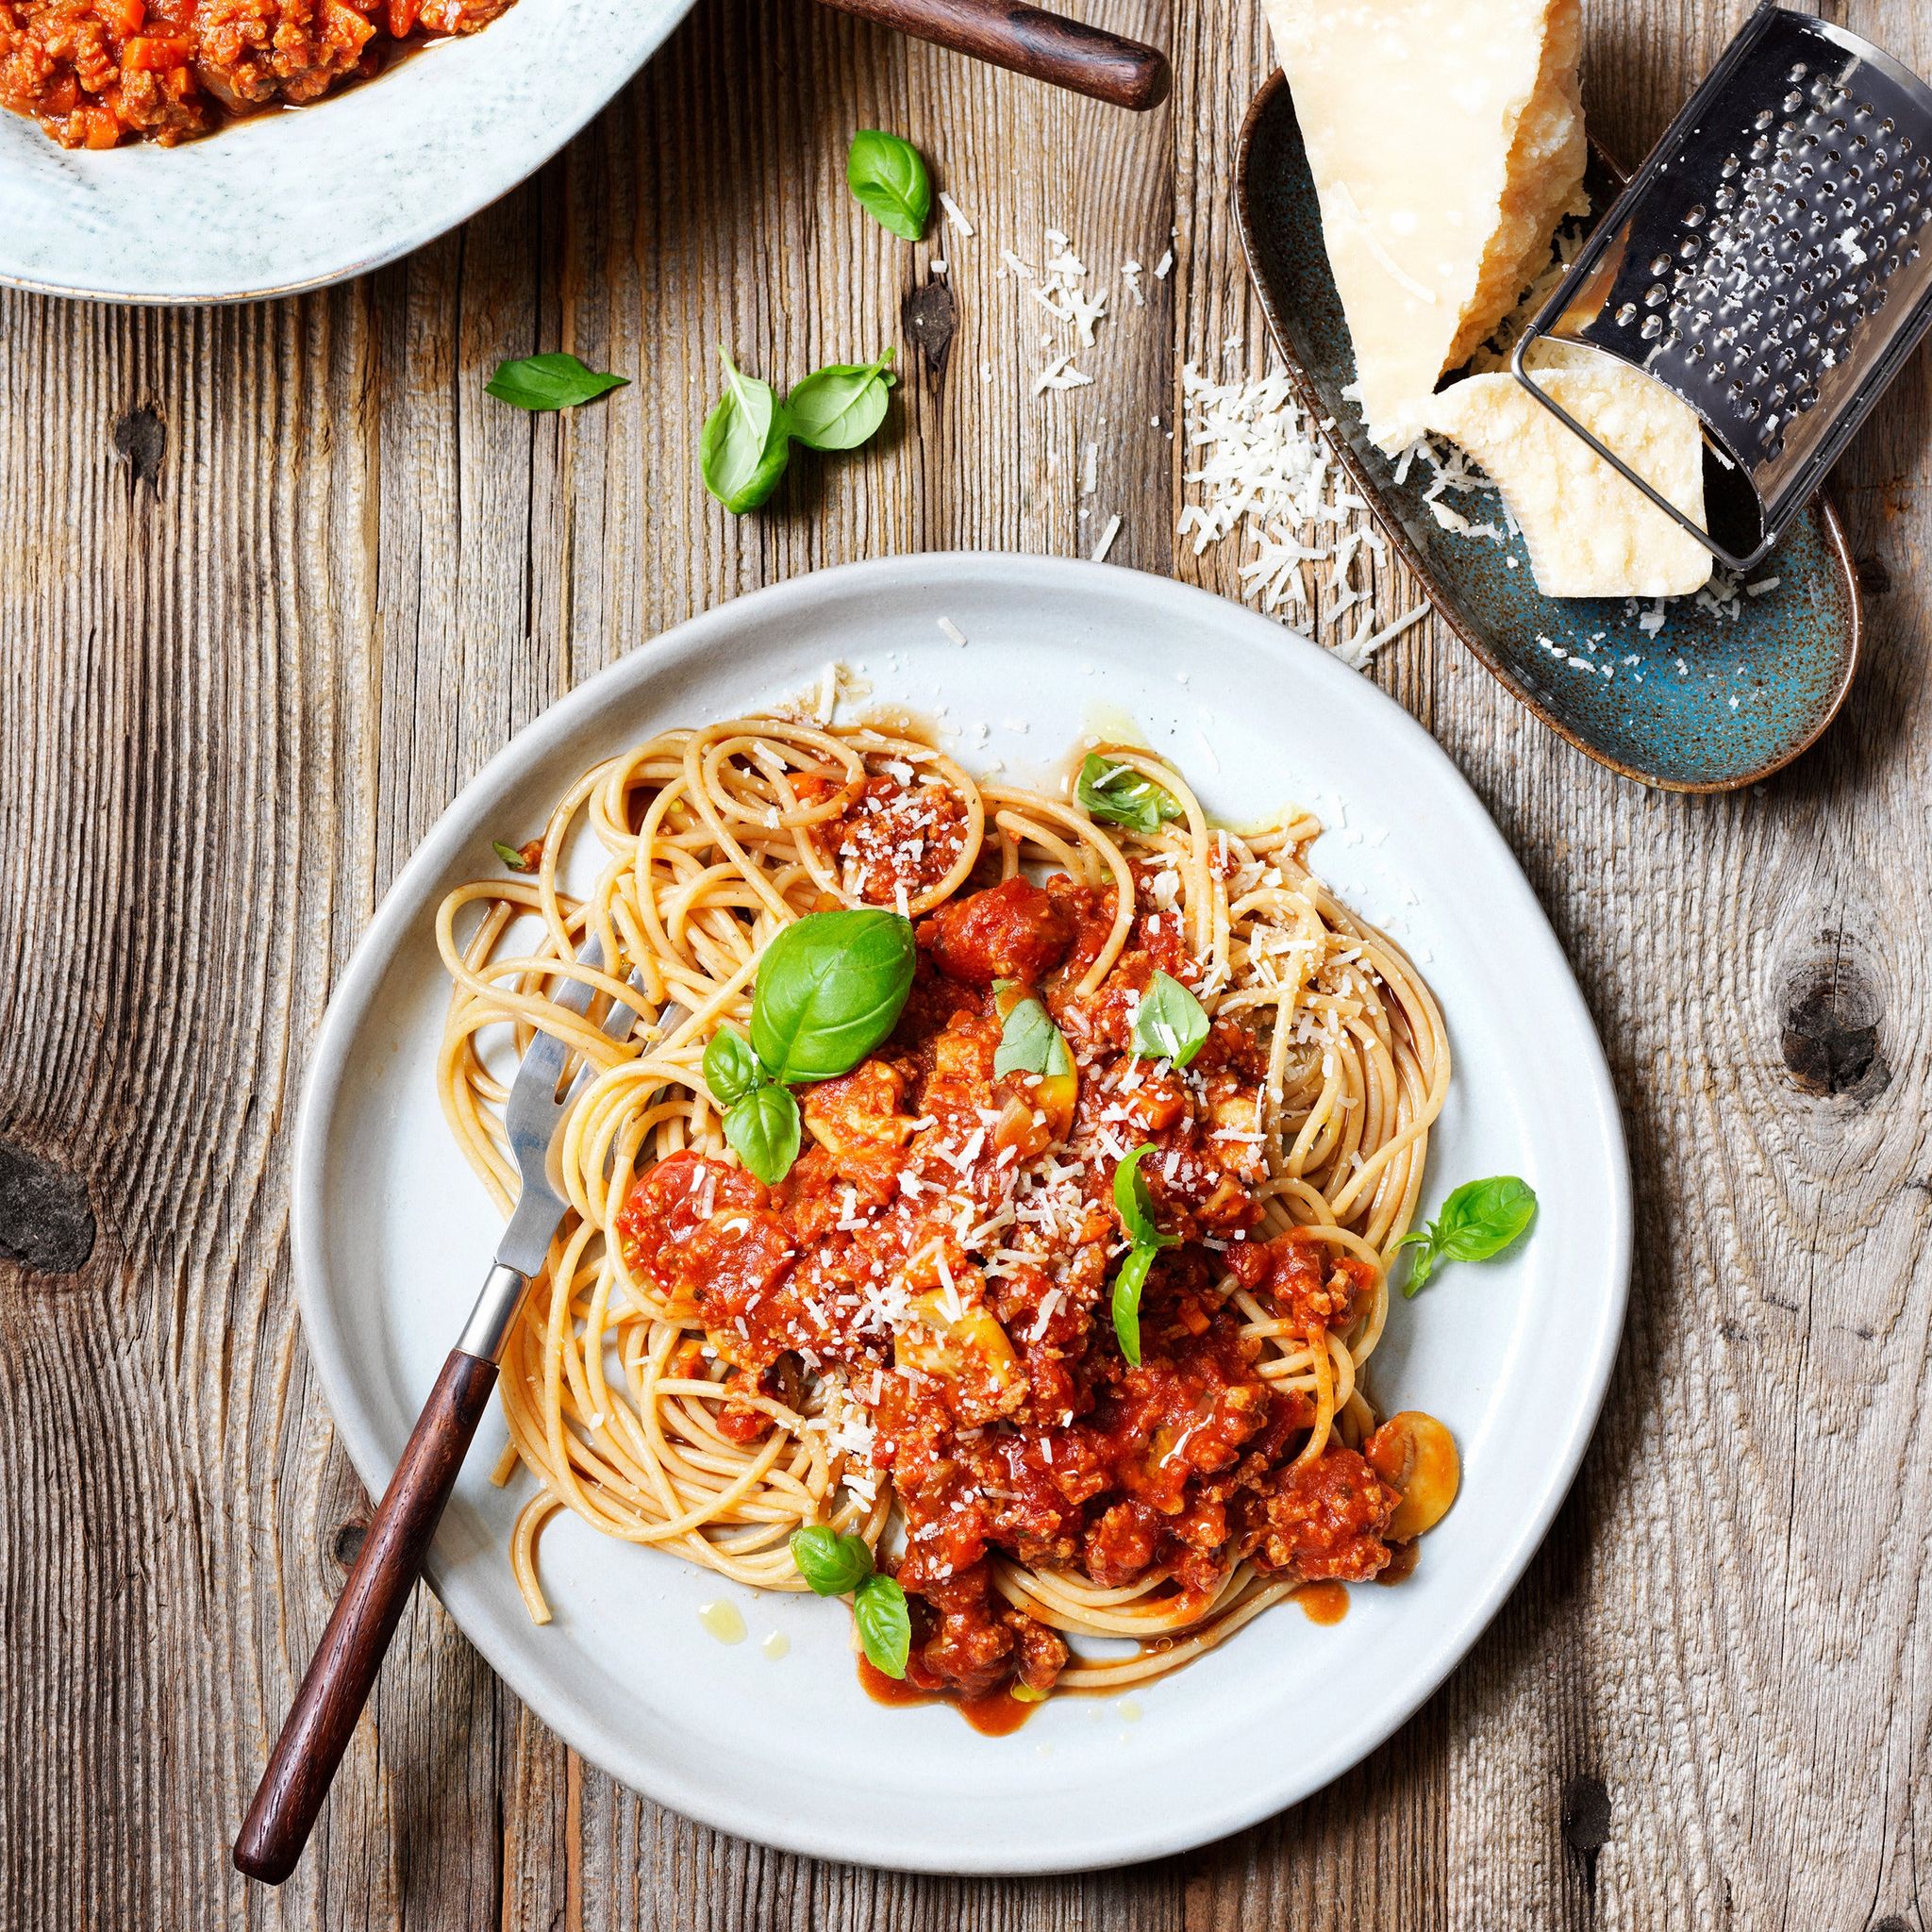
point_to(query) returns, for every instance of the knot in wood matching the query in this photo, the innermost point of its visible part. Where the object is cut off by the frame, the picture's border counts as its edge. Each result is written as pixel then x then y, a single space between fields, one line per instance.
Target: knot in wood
pixel 1830 1019
pixel 1586 1814
pixel 140 440
pixel 349 1540
pixel 45 1220
pixel 931 318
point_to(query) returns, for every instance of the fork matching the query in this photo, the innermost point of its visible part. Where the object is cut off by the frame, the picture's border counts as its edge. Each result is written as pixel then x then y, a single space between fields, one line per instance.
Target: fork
pixel 343 1671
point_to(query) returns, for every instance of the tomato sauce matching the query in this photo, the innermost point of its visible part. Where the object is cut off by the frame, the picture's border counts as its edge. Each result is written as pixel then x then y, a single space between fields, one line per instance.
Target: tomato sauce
pixel 937 1265
pixel 992 1714
pixel 97 72
pixel 1323 1603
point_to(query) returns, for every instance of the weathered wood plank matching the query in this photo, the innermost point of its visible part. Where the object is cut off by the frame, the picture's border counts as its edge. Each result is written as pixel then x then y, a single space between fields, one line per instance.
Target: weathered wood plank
pixel 273 582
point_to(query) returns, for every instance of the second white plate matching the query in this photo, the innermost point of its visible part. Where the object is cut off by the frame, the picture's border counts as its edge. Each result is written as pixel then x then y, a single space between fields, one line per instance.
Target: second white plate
pixel 298 198
pixel 391 1235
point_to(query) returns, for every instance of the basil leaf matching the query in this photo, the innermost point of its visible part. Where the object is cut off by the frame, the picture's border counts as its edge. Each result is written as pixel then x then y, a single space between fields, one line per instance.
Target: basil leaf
pixel 549 382
pixel 888 180
pixel 763 1129
pixel 1480 1219
pixel 1134 1205
pixel 1169 1023
pixel 1424 1263
pixel 512 855
pixel 885 1627
pixel 830 1563
pixel 732 1069
pixel 830 987
pixel 1116 794
pixel 841 406
pixel 1031 1043
pixel 744 446
pixel 1127 1284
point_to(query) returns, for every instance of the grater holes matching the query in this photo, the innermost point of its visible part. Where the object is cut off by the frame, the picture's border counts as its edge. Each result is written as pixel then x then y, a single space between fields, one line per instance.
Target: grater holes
pixel 1652 327
pixel 1659 264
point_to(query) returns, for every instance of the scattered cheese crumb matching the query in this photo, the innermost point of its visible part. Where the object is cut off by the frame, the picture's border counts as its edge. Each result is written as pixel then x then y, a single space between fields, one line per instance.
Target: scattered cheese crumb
pixel 956 215
pixel 1106 537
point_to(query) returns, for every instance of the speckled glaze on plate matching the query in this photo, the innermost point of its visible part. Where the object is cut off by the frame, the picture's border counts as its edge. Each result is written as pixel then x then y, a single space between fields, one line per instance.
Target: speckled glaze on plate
pixel 295 200
pixel 1707 703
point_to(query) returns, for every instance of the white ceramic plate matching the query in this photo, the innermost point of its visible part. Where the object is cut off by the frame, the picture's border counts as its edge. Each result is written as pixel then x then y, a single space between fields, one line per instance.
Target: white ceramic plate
pixel 294 200
pixel 391 1237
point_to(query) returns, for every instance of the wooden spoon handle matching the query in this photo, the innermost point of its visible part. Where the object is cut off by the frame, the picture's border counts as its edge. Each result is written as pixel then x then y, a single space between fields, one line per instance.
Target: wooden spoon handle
pixel 1043 45
pixel 345 1662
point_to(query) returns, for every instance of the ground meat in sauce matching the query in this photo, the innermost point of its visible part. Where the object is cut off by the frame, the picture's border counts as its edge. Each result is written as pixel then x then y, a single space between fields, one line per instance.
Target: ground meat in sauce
pixel 986 1363
pixel 96 72
pixel 898 835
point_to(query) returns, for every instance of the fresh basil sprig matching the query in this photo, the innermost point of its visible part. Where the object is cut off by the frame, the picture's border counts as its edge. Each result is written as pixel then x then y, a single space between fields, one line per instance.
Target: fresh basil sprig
pixel 1169 1023
pixel 748 435
pixel 885 1624
pixel 888 179
pixel 1116 794
pixel 549 382
pixel 1031 1043
pixel 841 405
pixel 744 446
pixel 1480 1219
pixel 1135 1207
pixel 830 987
pixel 835 1565
pixel 732 1069
pixel 763 1129
pixel 512 855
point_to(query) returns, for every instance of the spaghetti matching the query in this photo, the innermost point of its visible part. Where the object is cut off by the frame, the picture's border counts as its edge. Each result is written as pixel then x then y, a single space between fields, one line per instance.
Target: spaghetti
pixel 911 1328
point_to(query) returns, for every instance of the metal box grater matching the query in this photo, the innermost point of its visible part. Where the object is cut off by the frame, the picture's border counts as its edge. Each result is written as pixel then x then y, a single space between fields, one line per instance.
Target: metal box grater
pixel 1770 263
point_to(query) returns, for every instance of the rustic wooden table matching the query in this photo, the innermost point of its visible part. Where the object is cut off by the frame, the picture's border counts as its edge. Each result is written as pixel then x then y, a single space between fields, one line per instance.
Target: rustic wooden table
pixel 274 581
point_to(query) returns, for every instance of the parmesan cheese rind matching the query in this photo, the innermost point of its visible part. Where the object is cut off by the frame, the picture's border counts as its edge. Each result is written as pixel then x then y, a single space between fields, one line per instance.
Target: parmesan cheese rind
pixel 1590 533
pixel 1446 141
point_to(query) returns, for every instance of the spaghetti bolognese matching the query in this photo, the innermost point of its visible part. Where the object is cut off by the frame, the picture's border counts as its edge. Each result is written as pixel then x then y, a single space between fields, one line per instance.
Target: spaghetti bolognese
pixel 1041 1274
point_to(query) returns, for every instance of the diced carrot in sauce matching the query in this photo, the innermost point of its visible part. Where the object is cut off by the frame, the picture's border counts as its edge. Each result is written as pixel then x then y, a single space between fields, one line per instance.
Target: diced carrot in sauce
pixel 154 54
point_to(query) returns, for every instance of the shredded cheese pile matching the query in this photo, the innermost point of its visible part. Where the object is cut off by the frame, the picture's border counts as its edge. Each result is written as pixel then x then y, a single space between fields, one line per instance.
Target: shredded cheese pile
pixel 1259 465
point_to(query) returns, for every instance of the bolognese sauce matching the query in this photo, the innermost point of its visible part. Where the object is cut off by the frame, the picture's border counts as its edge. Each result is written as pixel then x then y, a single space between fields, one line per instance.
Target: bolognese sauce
pixel 97 72
pixel 942 1247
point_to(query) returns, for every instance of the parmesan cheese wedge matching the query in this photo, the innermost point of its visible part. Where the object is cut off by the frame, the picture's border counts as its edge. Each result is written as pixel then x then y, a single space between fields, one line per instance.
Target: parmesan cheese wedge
pixel 1446 142
pixel 1590 533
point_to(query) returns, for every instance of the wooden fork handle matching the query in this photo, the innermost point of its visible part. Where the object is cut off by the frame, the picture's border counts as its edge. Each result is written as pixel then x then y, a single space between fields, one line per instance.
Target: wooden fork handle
pixel 343 1668
pixel 1043 45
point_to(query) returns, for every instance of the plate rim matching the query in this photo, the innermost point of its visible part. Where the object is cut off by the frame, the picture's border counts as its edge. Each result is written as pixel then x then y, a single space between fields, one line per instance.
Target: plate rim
pixel 1132 1841
pixel 1838 541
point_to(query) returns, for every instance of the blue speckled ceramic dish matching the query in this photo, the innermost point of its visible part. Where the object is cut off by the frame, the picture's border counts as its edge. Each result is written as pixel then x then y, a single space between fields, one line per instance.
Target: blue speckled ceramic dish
pixel 1710 701
pixel 294 200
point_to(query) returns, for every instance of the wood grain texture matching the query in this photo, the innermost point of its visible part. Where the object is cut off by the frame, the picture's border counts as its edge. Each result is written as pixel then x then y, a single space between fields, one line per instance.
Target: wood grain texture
pixel 273 582
pixel 388 1565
